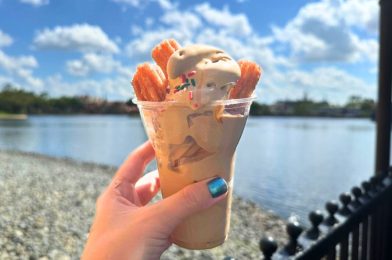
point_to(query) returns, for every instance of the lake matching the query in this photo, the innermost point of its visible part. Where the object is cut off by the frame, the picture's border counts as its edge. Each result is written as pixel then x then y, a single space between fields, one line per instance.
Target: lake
pixel 287 165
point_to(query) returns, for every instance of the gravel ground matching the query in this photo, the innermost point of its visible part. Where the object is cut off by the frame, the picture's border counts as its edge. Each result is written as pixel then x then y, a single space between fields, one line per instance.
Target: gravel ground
pixel 47 205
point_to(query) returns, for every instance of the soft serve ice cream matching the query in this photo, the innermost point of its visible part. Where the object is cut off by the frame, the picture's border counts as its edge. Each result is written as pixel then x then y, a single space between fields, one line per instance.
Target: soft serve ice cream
pixel 199 74
pixel 195 131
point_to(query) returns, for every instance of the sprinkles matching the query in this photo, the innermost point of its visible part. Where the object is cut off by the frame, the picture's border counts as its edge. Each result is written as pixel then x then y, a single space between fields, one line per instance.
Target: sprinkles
pixel 191 73
pixel 190 95
pixel 193 82
pixel 183 78
pixel 186 82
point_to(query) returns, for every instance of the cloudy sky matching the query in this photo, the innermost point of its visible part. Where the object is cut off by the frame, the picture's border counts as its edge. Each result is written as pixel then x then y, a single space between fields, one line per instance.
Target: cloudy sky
pixel 327 49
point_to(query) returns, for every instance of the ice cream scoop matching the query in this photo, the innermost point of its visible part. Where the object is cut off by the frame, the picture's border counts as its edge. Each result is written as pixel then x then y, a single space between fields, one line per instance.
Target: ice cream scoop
pixel 199 74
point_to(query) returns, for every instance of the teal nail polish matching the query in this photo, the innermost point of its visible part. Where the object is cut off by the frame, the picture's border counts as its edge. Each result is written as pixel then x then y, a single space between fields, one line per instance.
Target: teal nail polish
pixel 217 187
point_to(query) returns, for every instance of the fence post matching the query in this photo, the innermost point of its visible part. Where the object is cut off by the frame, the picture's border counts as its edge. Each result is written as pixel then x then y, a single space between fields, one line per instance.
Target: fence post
pixel 379 233
pixel 383 113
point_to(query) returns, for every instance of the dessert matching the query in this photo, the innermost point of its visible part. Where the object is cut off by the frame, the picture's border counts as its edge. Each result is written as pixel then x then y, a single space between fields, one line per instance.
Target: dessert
pixel 250 75
pixel 194 107
pixel 153 77
pixel 162 52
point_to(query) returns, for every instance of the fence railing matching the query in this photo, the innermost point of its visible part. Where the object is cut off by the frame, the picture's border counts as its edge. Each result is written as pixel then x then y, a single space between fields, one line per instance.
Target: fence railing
pixel 358 228
pixel 361 227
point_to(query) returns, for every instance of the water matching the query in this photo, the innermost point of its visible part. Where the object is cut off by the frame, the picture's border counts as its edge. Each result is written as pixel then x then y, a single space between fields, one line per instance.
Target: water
pixel 288 165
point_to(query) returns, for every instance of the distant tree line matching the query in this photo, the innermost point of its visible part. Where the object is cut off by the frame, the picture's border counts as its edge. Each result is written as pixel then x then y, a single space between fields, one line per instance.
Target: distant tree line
pixel 17 101
pixel 354 107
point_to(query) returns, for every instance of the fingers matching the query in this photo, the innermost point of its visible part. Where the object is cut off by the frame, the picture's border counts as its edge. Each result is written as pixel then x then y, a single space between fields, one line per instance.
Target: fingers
pixel 190 200
pixel 147 187
pixel 133 167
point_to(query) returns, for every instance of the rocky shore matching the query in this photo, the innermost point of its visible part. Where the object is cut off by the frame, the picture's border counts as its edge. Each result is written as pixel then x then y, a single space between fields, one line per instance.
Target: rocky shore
pixel 47 205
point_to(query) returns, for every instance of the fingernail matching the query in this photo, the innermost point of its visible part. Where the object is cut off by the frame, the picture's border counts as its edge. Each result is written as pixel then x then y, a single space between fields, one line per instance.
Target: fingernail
pixel 217 187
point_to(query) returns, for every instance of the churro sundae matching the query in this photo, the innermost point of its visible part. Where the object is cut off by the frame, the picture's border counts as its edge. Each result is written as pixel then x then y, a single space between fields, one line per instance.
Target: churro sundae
pixel 194 103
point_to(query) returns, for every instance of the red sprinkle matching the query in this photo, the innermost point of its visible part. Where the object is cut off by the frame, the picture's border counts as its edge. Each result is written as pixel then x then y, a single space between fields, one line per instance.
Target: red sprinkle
pixel 183 78
pixel 191 73
pixel 190 95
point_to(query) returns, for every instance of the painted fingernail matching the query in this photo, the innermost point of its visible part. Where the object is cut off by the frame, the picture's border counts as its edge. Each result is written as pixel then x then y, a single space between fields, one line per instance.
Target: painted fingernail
pixel 217 187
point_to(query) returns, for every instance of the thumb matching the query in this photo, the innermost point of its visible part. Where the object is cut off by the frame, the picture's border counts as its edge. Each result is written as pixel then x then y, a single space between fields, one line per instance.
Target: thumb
pixel 190 200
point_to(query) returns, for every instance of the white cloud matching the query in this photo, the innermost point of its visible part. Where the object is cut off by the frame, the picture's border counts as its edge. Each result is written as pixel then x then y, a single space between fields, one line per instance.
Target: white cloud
pixel 27 76
pixel 92 62
pixel 185 22
pixel 320 83
pixel 77 68
pixel 322 31
pixel 164 4
pixel 35 2
pixel 21 67
pixel 10 63
pixel 117 88
pixel 149 21
pixel 236 23
pixel 134 3
pixel 78 37
pixel 327 79
pixel 5 39
pixel 363 14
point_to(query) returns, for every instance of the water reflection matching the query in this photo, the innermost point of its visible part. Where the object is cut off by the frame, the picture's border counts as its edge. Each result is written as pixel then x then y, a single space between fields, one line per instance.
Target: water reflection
pixel 284 164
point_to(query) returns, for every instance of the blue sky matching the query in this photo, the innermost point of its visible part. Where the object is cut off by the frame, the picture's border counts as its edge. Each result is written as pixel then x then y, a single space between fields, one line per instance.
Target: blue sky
pixel 326 48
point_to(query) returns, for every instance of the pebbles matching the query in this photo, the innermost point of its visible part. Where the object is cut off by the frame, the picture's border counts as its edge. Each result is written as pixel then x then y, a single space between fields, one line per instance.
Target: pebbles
pixel 47 206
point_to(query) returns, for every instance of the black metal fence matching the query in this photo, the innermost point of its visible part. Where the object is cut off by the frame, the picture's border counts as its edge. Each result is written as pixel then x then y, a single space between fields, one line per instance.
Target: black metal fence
pixel 358 228
pixel 361 227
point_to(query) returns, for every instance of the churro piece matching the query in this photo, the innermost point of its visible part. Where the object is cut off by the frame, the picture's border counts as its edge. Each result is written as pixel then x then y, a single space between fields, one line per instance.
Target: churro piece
pixel 149 83
pixel 250 75
pixel 162 52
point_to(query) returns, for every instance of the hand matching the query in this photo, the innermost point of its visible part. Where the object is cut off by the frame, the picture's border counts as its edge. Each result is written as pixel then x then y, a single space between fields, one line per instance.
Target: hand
pixel 126 228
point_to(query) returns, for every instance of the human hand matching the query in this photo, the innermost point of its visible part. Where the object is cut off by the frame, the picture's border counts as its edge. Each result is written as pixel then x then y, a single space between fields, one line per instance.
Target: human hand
pixel 126 228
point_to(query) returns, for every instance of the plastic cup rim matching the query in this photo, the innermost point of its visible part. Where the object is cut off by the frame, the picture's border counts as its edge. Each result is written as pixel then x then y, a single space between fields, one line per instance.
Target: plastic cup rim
pixel 214 103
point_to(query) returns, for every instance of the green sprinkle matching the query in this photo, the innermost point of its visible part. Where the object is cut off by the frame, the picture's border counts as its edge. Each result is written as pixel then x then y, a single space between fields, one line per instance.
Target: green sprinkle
pixel 193 82
pixel 186 80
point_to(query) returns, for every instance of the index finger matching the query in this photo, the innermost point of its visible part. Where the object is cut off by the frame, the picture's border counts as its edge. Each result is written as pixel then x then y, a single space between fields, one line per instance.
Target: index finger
pixel 134 165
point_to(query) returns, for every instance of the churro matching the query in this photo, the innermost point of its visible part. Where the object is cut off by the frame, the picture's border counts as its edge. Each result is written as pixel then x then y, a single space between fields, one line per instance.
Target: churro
pixel 162 52
pixel 149 83
pixel 250 75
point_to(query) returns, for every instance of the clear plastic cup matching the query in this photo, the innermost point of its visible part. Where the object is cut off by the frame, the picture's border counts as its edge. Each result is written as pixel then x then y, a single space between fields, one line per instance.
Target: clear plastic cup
pixel 193 145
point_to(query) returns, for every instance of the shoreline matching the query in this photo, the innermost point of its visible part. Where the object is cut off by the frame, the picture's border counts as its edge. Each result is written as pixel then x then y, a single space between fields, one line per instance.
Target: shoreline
pixel 17 117
pixel 48 204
